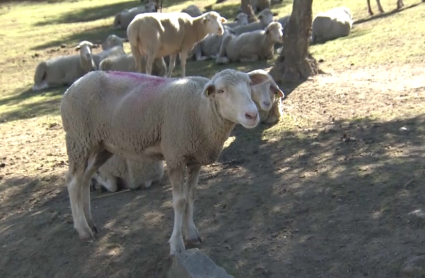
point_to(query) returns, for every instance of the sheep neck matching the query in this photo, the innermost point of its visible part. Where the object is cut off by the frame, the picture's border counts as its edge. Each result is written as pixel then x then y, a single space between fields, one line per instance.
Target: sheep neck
pixel 267 44
pixel 200 32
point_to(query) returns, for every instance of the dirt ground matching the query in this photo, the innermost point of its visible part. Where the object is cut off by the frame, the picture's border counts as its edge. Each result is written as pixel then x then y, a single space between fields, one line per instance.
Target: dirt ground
pixel 330 197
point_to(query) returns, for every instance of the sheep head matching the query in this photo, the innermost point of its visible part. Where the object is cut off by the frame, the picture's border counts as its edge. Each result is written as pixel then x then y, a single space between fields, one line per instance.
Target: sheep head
pixel 242 19
pixel 231 92
pixel 213 23
pixel 265 16
pixel 266 91
pixel 275 32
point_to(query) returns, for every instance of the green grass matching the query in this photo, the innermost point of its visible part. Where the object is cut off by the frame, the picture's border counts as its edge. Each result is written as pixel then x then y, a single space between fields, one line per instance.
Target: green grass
pixel 34 31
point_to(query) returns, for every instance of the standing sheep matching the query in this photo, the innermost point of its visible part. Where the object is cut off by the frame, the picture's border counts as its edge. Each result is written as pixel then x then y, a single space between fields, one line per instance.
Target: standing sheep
pixel 265 18
pixel 400 4
pixel 192 10
pixel 64 70
pixel 160 34
pixel 184 121
pixel 123 18
pixel 133 173
pixel 267 96
pixel 331 24
pixel 126 63
pixel 251 46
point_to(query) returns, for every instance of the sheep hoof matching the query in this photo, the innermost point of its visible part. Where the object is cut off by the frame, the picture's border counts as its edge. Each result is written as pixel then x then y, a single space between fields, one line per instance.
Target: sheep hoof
pixel 194 242
pixel 95 229
pixel 87 237
pixel 202 58
pixel 177 247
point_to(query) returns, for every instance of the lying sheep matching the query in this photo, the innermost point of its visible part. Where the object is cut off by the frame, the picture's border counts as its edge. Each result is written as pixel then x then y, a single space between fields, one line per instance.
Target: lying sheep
pixel 267 96
pixel 64 70
pixel 209 47
pixel 259 5
pixel 126 63
pixel 265 18
pixel 400 4
pixel 113 51
pixel 247 9
pixel 133 173
pixel 251 46
pixel 112 41
pixel 240 20
pixel 123 18
pixel 331 24
pixel 192 10
pixel 182 121
pixel 170 34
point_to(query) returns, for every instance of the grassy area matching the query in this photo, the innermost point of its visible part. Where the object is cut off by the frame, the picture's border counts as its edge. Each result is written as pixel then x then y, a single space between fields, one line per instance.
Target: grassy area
pixel 33 32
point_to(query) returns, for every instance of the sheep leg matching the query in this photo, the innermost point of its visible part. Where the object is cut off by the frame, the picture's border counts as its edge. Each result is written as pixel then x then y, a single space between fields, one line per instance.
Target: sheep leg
pixel 381 10
pixel 198 53
pixel 137 57
pixel 176 176
pixel 221 56
pixel 171 64
pixel 190 231
pixel 400 4
pixel 183 58
pixel 108 181
pixel 369 9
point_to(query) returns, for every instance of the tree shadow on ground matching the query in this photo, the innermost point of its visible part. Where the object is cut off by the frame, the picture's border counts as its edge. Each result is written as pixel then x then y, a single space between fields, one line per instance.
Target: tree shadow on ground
pixel 90 14
pixel 278 203
pixel 385 14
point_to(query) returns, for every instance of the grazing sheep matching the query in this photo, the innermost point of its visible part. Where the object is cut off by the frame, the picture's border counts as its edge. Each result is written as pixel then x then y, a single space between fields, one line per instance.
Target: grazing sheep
pixel 240 20
pixel 111 41
pixel 133 173
pixel 267 96
pixel 192 10
pixel 123 18
pixel 265 18
pixel 331 24
pixel 182 121
pixel 170 34
pixel 64 70
pixel 126 63
pixel 251 46
pixel 400 4
pixel 210 46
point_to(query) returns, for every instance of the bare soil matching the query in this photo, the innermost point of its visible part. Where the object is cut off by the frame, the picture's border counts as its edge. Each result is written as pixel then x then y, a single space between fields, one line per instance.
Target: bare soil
pixel 326 197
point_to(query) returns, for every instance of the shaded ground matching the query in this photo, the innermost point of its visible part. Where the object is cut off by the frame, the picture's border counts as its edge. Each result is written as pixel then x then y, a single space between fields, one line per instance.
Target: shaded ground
pixel 326 197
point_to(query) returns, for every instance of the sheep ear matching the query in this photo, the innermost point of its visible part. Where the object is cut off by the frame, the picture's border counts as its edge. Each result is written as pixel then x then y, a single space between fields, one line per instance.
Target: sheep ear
pixel 260 16
pixel 223 20
pixel 209 89
pixel 276 90
pixel 259 76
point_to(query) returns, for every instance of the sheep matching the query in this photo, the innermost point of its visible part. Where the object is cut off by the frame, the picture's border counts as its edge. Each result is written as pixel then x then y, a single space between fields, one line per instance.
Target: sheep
pixel 265 18
pixel 170 34
pixel 240 20
pixel 267 96
pixel 331 24
pixel 132 172
pixel 182 121
pixel 210 46
pixel 247 9
pixel 126 63
pixel 192 10
pixel 113 40
pixel 123 18
pixel 284 20
pixel 114 49
pixel 400 4
pixel 251 46
pixel 64 70
pixel 259 5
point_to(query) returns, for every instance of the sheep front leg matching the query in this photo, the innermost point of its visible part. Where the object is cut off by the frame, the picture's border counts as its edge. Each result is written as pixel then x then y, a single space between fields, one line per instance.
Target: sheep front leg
pixel 183 58
pixel 176 176
pixel 171 64
pixel 191 233
pixel 221 56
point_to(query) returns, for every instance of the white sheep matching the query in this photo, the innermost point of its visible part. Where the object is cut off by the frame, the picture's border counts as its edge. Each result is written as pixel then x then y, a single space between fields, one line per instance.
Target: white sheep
pixel 183 121
pixel 126 63
pixel 332 24
pixel 160 34
pixel 114 48
pixel 240 20
pixel 133 173
pixel 267 96
pixel 210 46
pixel 192 10
pixel 251 46
pixel 112 41
pixel 284 20
pixel 123 18
pixel 400 4
pixel 64 70
pixel 265 18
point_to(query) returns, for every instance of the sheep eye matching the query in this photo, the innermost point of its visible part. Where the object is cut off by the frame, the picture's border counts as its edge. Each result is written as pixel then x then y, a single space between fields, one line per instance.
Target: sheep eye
pixel 220 91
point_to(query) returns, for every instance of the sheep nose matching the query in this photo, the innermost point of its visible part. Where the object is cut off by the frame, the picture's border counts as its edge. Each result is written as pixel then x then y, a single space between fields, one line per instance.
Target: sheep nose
pixel 251 115
pixel 266 103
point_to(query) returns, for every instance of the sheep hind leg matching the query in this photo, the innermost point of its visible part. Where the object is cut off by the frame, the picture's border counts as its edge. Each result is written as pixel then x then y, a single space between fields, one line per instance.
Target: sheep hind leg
pixel 171 64
pixel 137 58
pixel 183 58
pixel 108 181
pixel 381 10
pixel 400 4
pixel 96 160
pixel 191 233
pixel 179 204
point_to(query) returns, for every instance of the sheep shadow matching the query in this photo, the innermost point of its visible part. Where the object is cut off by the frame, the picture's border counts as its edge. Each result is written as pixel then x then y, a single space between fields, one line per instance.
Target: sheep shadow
pixel 385 14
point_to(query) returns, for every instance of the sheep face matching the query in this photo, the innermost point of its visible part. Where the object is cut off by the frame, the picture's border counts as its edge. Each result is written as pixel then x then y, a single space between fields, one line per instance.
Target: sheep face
pixel 151 7
pixel 111 41
pixel 275 32
pixel 231 91
pixel 117 21
pixel 266 91
pixel 213 23
pixel 266 17
pixel 242 19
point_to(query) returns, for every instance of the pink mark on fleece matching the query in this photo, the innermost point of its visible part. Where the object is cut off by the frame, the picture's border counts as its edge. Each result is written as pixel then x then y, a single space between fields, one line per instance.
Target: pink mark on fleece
pixel 152 79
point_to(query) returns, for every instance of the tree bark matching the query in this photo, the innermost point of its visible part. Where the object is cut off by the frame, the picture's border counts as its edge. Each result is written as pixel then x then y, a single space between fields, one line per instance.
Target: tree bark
pixel 295 63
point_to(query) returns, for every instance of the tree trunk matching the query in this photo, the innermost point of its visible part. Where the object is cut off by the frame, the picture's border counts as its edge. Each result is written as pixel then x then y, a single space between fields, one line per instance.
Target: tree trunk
pixel 295 63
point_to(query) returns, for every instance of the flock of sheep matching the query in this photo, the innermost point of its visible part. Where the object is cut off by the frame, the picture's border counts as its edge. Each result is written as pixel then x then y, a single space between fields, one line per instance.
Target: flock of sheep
pixel 124 115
